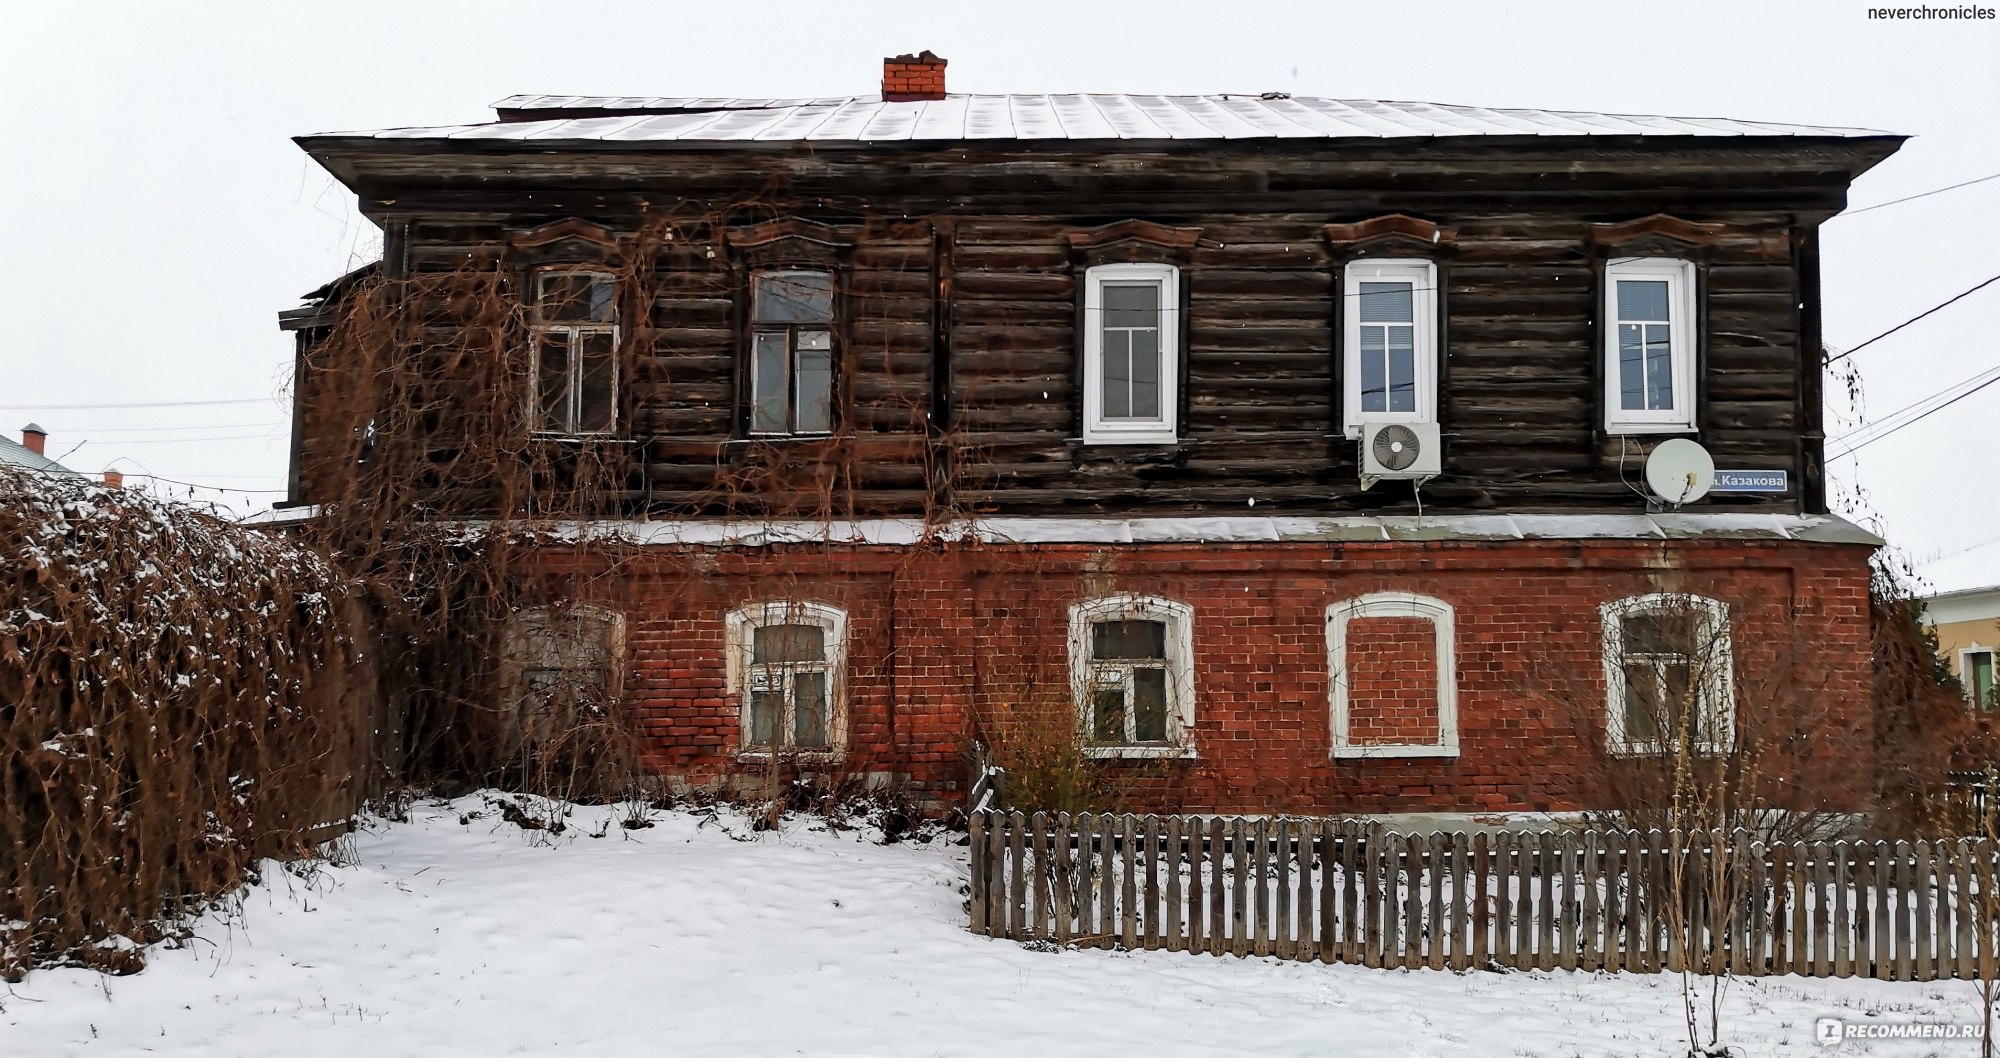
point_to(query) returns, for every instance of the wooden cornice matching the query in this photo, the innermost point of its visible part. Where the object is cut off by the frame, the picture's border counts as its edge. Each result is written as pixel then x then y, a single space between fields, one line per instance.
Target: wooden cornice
pixel 1145 231
pixel 772 231
pixel 1390 226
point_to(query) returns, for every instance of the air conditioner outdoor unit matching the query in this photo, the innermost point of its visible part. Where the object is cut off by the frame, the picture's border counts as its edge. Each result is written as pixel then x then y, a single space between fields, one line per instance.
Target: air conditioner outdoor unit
pixel 1401 450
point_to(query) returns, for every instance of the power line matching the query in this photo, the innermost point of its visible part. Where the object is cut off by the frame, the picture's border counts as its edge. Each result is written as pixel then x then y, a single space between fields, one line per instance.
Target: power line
pixel 94 431
pixel 211 488
pixel 1991 376
pixel 137 404
pixel 1975 289
pixel 1918 195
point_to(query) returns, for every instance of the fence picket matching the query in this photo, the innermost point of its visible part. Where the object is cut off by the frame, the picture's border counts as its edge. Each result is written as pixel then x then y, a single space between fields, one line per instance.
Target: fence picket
pixel 1218 881
pixel 1260 906
pixel 1304 939
pixel 1567 903
pixel 1350 888
pixel 1481 872
pixel 1546 858
pixel 1281 913
pixel 1961 876
pixel 1590 955
pixel 1017 911
pixel 1128 891
pixel 1412 849
pixel 1843 956
pixel 1460 943
pixel 1329 935
pixel 1170 850
pixel 1107 880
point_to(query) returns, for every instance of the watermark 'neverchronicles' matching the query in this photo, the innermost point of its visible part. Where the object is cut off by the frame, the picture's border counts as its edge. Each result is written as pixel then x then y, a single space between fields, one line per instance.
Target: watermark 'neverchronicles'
pixel 1959 13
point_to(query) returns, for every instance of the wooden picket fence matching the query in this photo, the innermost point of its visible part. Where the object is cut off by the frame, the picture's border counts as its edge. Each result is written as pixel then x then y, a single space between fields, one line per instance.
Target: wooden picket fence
pixel 1351 892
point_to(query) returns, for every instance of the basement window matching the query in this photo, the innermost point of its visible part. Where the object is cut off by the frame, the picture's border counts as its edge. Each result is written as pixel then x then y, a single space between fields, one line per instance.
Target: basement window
pixel 788 669
pixel 1667 675
pixel 1392 676
pixel 563 667
pixel 791 354
pixel 1131 354
pixel 1132 675
pixel 1649 345
pixel 1389 343
pixel 575 343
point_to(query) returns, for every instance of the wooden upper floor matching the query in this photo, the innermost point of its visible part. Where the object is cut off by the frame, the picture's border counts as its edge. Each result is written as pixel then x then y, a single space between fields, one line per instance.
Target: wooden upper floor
pixel 1091 325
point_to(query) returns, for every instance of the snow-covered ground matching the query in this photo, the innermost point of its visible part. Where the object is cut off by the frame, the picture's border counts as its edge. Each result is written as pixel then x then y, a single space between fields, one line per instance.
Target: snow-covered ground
pixel 699 937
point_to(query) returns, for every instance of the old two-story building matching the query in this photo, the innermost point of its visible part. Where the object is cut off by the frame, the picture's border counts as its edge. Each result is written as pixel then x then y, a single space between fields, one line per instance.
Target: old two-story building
pixel 1291 446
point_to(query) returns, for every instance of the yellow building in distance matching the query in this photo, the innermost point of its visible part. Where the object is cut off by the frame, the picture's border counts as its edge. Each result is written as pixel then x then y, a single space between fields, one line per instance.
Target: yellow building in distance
pixel 1968 631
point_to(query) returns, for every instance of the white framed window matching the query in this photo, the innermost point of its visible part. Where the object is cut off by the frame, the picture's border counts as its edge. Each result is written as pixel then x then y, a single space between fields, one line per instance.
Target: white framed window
pixel 1977 674
pixel 562 665
pixel 791 353
pixel 574 342
pixel 1132 676
pixel 1348 676
pixel 1388 342
pixel 1131 354
pixel 788 671
pixel 1649 345
pixel 1667 674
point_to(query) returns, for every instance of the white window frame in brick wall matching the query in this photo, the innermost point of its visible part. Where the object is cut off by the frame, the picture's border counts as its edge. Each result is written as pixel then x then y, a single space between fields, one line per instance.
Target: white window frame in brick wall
pixel 1709 659
pixel 576 333
pixel 1680 355
pixel 1098 426
pixel 1357 336
pixel 1393 604
pixel 1967 675
pixel 1090 674
pixel 748 675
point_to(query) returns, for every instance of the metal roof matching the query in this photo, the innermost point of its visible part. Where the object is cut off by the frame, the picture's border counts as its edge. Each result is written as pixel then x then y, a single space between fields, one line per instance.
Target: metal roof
pixel 17 454
pixel 868 119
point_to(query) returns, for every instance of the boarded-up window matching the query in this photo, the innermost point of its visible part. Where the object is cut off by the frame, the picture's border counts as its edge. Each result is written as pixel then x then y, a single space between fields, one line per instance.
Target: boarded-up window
pixel 565 664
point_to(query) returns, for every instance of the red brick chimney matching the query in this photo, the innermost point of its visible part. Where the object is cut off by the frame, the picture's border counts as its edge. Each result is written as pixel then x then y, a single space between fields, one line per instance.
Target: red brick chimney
pixel 114 479
pixel 34 439
pixel 908 78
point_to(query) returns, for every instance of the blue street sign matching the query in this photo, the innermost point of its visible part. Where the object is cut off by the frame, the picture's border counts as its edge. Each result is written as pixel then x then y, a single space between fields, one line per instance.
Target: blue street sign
pixel 1751 481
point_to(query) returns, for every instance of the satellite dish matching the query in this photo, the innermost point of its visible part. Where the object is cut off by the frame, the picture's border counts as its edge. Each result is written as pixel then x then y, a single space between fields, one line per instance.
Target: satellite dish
pixel 1679 471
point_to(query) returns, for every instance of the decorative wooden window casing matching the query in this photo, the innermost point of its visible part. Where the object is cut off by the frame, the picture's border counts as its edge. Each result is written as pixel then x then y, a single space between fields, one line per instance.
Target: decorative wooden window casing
pixel 1978 674
pixel 1131 354
pixel 1668 674
pixel 1650 343
pixel 1389 351
pixel 574 347
pixel 1132 676
pixel 1340 665
pixel 788 669
pixel 792 353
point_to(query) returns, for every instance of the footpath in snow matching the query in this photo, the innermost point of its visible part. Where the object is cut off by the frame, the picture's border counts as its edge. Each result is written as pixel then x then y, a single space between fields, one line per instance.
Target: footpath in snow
pixel 459 934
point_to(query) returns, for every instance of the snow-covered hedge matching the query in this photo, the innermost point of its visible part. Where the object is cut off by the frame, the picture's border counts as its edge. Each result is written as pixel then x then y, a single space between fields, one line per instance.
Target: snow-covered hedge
pixel 178 697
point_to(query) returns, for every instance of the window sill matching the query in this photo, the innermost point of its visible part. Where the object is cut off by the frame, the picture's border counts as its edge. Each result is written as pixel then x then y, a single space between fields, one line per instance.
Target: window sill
pixel 605 437
pixel 1370 752
pixel 1136 437
pixel 1139 752
pixel 1629 428
pixel 790 756
pixel 1654 749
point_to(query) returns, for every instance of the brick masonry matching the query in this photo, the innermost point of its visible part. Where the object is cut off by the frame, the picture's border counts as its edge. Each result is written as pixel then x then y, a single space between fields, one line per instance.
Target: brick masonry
pixel 940 636
pixel 1392 676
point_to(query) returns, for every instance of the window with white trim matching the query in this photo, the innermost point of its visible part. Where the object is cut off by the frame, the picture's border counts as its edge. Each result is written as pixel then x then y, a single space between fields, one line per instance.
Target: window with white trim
pixel 1977 674
pixel 1349 679
pixel 574 343
pixel 1389 343
pixel 791 353
pixel 1667 674
pixel 788 670
pixel 563 665
pixel 1131 354
pixel 1132 674
pixel 1649 345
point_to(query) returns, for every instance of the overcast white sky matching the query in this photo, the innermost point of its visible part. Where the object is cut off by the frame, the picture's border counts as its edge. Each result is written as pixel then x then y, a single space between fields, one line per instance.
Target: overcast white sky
pixel 155 215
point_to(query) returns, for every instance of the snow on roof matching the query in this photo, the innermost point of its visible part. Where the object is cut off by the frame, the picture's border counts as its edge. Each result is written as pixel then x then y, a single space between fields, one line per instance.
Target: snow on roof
pixel 640 119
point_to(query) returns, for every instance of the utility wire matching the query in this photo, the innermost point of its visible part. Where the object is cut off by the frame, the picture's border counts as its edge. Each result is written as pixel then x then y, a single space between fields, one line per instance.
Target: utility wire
pixel 1975 289
pixel 1991 376
pixel 138 404
pixel 1918 195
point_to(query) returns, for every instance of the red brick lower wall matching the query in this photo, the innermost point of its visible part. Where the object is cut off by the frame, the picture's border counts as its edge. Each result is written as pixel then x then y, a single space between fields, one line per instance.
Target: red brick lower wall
pixel 941 640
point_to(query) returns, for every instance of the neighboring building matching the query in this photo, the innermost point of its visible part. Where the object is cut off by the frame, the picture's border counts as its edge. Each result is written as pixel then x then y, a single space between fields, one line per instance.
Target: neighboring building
pixel 32 452
pixel 1968 631
pixel 1114 397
